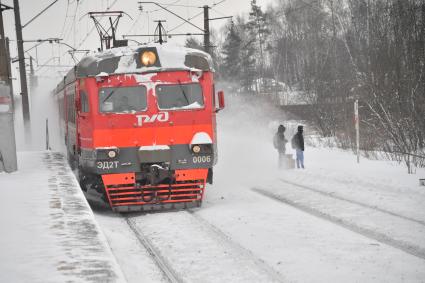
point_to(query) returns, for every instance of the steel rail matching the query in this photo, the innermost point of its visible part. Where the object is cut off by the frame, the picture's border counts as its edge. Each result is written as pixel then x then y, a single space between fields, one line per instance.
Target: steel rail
pixel 332 195
pixel 369 233
pixel 162 263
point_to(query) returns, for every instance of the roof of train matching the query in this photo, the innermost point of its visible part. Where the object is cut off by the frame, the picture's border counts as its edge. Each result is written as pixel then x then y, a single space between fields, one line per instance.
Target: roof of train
pixel 124 60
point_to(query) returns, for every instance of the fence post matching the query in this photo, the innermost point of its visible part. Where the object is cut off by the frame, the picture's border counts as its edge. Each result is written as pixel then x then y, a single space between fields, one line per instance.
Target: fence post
pixel 357 126
pixel 47 135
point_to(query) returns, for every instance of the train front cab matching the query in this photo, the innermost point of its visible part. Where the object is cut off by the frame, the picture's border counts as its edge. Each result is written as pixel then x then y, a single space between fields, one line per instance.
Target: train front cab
pixel 148 141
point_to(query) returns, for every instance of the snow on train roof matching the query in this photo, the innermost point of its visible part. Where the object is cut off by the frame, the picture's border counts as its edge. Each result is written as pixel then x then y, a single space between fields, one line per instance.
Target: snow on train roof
pixel 125 60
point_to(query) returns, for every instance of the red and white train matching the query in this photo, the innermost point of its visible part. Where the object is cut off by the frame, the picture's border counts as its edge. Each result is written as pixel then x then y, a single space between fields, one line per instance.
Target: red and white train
pixel 140 125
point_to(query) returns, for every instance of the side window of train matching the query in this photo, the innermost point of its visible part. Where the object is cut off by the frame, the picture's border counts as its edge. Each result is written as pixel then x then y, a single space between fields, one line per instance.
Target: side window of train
pixel 84 102
pixel 71 107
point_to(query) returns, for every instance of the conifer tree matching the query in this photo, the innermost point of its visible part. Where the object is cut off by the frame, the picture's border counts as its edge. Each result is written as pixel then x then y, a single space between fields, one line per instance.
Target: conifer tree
pixel 192 42
pixel 232 54
pixel 258 31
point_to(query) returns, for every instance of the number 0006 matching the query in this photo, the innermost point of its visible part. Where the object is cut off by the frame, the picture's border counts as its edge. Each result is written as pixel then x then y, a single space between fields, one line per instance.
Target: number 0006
pixel 201 159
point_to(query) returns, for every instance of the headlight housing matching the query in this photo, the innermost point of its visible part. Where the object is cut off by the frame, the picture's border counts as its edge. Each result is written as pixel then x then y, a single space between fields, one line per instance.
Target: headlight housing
pixel 196 149
pixel 148 58
pixel 201 148
pixel 106 153
pixel 112 154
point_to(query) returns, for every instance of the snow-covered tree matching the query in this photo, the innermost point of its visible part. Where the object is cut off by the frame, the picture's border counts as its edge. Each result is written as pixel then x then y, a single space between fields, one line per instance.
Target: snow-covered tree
pixel 231 50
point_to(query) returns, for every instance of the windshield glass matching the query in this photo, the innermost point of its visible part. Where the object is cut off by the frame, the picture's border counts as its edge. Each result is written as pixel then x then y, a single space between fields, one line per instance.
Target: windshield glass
pixel 122 99
pixel 180 96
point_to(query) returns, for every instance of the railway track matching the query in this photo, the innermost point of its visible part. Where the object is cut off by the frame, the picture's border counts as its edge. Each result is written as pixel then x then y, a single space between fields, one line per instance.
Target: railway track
pixel 386 235
pixel 218 259
pixel 332 195
pixel 161 261
pixel 241 250
pixel 191 246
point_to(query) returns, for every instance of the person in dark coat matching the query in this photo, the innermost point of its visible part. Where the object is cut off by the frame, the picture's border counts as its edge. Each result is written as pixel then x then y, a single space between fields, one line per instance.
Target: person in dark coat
pixel 298 144
pixel 279 142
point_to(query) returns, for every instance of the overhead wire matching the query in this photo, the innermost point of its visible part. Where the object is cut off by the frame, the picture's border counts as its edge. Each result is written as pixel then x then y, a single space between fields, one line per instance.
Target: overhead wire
pixel 72 28
pixel 179 5
pixel 195 16
pixel 62 29
pixel 135 22
pixel 155 10
pixel 60 36
pixel 215 4
pixel 72 25
pixel 65 20
pixel 75 23
pixel 166 5
pixel 189 19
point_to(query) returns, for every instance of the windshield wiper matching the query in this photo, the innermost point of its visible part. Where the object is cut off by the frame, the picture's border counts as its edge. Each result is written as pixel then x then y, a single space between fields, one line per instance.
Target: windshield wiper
pixel 184 93
pixel 112 92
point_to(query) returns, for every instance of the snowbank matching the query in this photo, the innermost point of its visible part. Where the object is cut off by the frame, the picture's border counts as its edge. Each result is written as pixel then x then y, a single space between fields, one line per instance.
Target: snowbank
pixel 48 229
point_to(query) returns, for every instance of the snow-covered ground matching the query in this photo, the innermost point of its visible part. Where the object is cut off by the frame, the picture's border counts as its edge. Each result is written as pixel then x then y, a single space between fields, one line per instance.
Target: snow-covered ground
pixel 335 221
pixel 48 232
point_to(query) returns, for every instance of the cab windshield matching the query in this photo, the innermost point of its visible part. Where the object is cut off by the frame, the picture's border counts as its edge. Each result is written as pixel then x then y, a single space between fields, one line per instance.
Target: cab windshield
pixel 179 96
pixel 122 99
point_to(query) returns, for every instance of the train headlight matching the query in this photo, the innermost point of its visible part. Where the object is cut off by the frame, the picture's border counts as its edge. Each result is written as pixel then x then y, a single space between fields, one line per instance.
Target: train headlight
pixel 112 154
pixel 148 58
pixel 196 149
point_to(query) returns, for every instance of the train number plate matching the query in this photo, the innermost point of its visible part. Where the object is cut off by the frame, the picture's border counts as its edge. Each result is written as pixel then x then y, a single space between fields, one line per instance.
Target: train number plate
pixel 105 165
pixel 202 159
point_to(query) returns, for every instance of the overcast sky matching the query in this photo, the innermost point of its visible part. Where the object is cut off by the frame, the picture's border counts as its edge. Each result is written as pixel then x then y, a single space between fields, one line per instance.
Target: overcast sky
pixel 69 21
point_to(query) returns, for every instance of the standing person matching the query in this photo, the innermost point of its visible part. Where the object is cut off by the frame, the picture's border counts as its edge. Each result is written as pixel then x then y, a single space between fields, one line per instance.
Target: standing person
pixel 298 144
pixel 279 142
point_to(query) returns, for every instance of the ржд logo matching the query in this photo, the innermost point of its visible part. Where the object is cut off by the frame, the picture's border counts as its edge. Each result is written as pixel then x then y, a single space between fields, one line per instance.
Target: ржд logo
pixel 160 117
